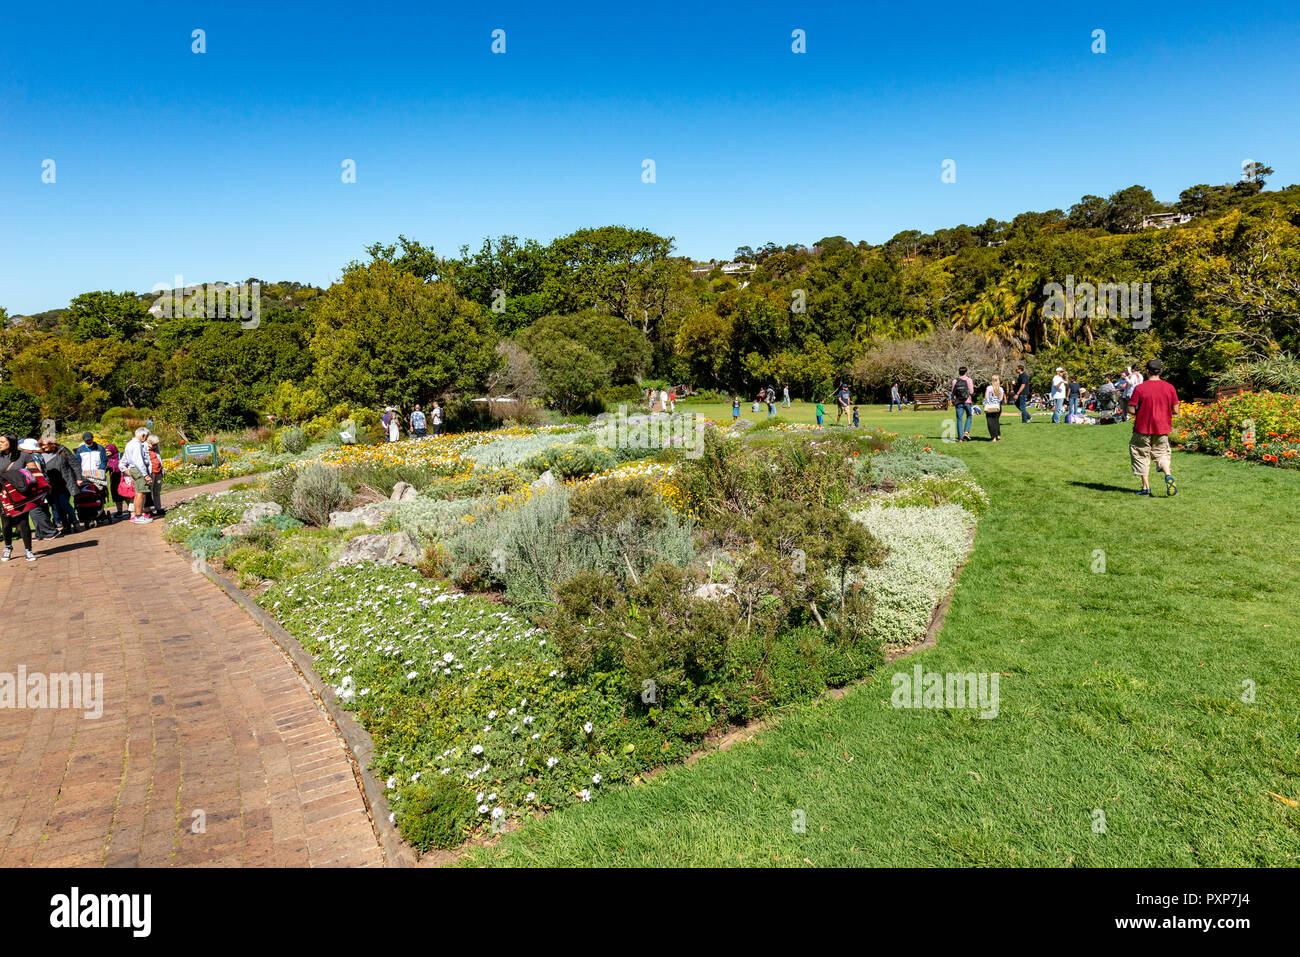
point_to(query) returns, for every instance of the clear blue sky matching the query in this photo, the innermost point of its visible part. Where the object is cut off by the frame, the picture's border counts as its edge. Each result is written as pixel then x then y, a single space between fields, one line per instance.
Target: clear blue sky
pixel 227 164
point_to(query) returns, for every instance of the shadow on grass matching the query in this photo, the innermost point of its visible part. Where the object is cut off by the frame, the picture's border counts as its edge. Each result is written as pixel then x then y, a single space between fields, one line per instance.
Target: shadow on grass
pixel 1102 487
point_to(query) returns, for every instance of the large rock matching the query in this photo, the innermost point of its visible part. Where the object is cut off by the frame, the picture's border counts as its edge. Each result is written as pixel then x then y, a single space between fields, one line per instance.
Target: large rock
pixel 546 481
pixel 404 492
pixel 367 515
pixel 381 549
pixel 252 515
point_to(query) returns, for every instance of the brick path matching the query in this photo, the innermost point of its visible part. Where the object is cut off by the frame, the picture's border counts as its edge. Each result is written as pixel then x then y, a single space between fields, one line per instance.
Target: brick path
pixel 201 711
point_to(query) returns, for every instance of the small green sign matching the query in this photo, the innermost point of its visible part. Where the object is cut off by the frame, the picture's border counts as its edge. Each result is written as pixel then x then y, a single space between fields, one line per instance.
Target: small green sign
pixel 200 450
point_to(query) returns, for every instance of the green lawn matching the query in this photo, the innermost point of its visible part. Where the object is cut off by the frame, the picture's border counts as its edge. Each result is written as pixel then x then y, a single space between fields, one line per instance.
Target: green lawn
pixel 1124 693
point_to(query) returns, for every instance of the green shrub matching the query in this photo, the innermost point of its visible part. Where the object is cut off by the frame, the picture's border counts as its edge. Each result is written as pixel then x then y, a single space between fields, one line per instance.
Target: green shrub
pixel 280 523
pixel 206 542
pixel 571 461
pixel 528 549
pixel 435 812
pixel 889 469
pixel 278 488
pixel 431 518
pixel 957 488
pixel 730 480
pixel 317 491
pixel 293 440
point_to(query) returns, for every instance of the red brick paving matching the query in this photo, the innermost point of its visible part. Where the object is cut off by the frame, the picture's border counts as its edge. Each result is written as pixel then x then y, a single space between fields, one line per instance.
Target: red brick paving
pixel 201 711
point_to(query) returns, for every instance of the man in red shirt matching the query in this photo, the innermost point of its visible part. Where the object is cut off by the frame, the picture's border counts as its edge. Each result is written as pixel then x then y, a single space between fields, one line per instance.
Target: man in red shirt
pixel 1153 406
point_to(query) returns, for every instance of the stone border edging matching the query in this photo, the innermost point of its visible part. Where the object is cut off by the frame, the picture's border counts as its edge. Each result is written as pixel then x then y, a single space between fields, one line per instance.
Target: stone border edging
pixel 357 740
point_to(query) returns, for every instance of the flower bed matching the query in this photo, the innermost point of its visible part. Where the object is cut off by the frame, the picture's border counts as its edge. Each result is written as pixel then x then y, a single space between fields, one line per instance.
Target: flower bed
pixel 671 574
pixel 1259 427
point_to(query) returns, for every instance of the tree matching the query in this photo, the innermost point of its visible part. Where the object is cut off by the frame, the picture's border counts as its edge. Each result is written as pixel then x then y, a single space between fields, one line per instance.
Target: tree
pixel 624 271
pixel 20 412
pixel 382 335
pixel 101 315
pixel 624 350
pixel 1126 207
pixel 418 260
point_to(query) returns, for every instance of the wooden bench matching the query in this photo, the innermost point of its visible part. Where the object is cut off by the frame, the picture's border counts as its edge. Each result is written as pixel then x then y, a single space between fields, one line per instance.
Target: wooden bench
pixel 1229 390
pixel 929 400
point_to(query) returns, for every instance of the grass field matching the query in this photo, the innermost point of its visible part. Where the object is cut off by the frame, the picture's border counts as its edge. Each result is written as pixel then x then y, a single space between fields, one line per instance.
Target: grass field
pixel 1122 693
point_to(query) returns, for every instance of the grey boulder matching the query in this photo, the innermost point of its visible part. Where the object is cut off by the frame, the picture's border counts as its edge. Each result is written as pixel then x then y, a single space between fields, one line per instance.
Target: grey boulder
pixel 381 549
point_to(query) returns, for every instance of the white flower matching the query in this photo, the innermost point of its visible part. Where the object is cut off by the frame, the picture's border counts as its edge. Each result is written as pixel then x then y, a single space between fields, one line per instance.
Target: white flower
pixel 449 657
pixel 477 749
pixel 595 779
pixel 480 797
pixel 530 796
pixel 498 812
pixel 391 781
pixel 587 727
pixel 552 762
pixel 491 715
pixel 411 676
pixel 586 795
pixel 482 808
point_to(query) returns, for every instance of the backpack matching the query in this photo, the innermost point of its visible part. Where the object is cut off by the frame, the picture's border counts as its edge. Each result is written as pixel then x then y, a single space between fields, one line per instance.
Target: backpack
pixel 19 501
pixel 961 391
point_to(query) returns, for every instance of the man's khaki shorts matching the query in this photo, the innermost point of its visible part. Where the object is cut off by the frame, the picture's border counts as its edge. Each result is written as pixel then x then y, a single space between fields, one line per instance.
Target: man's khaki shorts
pixel 1143 448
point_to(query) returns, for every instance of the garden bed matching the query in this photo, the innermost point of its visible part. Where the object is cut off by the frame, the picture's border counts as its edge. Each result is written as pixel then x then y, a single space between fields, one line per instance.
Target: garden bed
pixel 564 636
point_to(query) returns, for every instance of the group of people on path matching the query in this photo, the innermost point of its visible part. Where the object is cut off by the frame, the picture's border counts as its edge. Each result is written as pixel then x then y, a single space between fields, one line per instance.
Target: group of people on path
pixel 40 482
pixel 1151 401
pixel 419 422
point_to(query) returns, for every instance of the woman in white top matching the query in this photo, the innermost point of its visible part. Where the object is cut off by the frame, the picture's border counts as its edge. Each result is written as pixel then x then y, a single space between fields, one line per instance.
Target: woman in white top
pixel 993 399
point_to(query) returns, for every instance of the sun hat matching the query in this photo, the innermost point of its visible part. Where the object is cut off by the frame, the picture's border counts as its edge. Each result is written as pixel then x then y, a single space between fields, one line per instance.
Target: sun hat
pixel 28 445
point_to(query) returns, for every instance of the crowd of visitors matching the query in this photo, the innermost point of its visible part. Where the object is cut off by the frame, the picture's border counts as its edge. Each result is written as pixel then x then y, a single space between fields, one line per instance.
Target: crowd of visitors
pixel 48 491
pixel 420 423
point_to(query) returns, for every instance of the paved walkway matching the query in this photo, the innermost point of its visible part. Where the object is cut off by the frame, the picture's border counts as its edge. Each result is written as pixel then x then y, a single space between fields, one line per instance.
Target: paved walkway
pixel 210 749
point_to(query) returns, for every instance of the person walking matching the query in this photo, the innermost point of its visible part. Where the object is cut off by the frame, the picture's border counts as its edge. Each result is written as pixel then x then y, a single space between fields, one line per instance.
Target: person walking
pixel 112 464
pixel 135 466
pixel 770 395
pixel 1021 395
pixel 821 411
pixel 994 396
pixel 841 402
pixel 962 393
pixel 12 462
pixel 672 399
pixel 63 469
pixel 785 395
pixel 155 476
pixel 895 398
pixel 1153 405
pixel 418 429
pixel 855 417
pixel 1075 390
pixel 436 413
pixel 1058 395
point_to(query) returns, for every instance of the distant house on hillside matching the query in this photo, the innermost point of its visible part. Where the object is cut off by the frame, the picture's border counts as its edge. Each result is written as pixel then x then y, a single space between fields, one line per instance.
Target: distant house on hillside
pixel 728 269
pixel 1165 220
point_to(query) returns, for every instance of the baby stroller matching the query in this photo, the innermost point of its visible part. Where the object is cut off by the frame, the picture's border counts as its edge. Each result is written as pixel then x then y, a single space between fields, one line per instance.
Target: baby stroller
pixel 89 503
pixel 90 498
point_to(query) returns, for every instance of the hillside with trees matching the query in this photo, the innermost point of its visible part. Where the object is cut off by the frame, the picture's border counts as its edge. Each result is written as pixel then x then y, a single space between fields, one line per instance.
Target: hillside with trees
pixel 602 310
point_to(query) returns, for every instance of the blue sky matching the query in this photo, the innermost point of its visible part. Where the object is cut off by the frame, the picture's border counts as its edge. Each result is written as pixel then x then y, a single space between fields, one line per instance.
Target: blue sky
pixel 227 164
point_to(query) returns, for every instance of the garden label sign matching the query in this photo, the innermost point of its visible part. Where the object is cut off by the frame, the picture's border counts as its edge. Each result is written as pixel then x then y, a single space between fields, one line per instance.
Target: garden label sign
pixel 200 450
